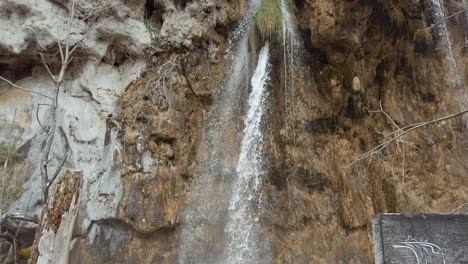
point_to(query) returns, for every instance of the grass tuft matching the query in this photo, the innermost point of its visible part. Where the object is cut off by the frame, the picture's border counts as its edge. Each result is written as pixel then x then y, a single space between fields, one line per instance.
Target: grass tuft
pixel 269 19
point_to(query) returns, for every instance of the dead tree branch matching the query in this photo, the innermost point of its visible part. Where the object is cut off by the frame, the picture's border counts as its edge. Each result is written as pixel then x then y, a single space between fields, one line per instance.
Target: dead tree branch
pixel 37 116
pixel 403 132
pixel 400 138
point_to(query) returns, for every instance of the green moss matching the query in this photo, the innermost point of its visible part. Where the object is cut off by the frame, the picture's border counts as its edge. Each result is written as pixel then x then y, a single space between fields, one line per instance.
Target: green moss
pixel 422 36
pixel 25 253
pixel 347 73
pixel 341 72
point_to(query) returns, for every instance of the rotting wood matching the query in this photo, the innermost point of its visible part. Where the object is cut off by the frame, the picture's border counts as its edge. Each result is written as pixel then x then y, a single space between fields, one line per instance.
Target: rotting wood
pixel 53 236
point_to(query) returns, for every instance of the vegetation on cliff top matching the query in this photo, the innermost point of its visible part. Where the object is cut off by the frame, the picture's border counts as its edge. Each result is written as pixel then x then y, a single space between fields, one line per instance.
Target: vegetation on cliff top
pixel 269 18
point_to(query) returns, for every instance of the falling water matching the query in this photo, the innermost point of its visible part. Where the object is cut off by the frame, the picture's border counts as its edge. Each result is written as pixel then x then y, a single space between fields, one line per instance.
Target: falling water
pixel 204 211
pixel 222 220
pixel 295 70
pixel 291 45
pixel 204 216
pixel 442 31
pixel 242 230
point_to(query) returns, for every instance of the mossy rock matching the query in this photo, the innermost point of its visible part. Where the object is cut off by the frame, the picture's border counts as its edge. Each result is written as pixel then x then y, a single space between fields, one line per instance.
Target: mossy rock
pixel 340 72
pixel 422 36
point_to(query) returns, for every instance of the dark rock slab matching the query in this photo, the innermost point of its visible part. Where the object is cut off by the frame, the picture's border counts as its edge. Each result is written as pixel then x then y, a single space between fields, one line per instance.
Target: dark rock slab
pixel 420 238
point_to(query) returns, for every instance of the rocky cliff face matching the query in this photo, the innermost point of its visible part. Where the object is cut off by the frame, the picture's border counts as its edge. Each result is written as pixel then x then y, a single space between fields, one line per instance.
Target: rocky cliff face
pixel 361 53
pixel 141 86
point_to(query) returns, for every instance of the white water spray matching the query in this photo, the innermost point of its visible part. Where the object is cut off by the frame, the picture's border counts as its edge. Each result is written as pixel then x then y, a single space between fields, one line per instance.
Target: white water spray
pixel 242 230
pixel 447 45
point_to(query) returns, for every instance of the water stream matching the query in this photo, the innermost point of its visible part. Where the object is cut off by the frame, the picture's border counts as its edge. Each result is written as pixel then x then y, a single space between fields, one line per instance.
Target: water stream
pixel 291 43
pixel 221 220
pixel 452 74
pixel 441 29
pixel 242 230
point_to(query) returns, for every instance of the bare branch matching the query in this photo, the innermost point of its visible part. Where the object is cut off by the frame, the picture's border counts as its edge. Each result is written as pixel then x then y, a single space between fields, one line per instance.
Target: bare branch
pixel 37 116
pixel 47 67
pixel 60 51
pixel 386 115
pixel 157 88
pixel 72 5
pixel 64 159
pixel 46 152
pixel 405 131
pixel 71 52
pixel 24 89
pixel 398 132
pixel 447 18
pixel 97 10
pixel 20 218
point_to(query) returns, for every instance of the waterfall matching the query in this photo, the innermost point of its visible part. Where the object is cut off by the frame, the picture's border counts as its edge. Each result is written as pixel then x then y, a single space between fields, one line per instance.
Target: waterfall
pixel 443 33
pixel 203 218
pixel 242 231
pixel 205 210
pixel 221 222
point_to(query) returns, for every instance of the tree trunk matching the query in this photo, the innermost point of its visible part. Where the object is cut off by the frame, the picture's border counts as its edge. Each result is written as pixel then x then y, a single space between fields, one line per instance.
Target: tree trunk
pixel 53 236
